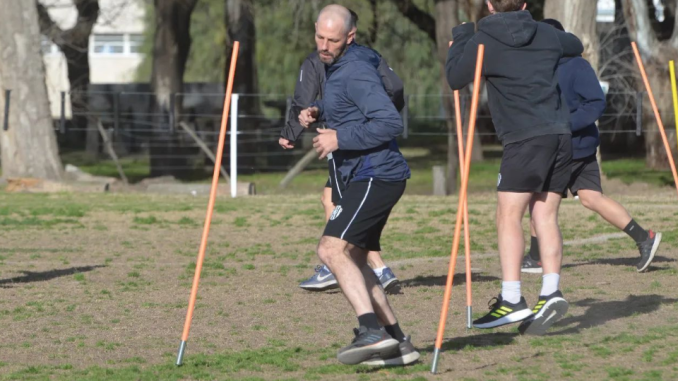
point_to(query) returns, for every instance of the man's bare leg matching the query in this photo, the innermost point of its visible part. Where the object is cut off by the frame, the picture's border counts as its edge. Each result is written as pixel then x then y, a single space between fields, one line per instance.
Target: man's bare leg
pixel 544 211
pixel 333 252
pixel 377 296
pixel 609 209
pixel 326 200
pixel 510 211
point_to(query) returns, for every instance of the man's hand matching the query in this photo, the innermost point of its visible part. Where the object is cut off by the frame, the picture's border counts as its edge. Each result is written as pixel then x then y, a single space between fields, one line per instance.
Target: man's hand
pixel 308 116
pixel 326 142
pixel 285 144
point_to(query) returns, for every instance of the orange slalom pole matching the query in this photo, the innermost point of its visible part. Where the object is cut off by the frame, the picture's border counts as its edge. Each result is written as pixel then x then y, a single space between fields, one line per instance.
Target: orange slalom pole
pixel 656 112
pixel 210 204
pixel 467 238
pixel 467 228
pixel 460 208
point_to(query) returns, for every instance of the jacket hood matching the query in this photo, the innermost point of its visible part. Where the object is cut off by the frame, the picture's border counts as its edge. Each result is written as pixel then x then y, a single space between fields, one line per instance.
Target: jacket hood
pixel 514 29
pixel 565 60
pixel 356 52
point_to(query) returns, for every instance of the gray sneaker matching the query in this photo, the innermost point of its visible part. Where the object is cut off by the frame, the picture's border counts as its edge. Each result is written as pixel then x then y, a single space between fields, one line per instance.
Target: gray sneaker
pixel 389 281
pixel 406 354
pixel 368 344
pixel 648 249
pixel 322 280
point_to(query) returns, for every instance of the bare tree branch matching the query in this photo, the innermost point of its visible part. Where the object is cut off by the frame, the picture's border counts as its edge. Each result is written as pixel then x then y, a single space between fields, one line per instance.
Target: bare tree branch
pixel 424 21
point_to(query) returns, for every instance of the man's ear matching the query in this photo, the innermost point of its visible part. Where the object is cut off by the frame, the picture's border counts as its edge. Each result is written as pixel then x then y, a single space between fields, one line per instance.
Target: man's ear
pixel 524 6
pixel 490 7
pixel 351 37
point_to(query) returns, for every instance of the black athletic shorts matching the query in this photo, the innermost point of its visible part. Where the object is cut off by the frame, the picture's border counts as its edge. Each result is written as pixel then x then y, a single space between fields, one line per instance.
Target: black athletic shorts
pixel 539 164
pixel 585 175
pixel 334 182
pixel 362 212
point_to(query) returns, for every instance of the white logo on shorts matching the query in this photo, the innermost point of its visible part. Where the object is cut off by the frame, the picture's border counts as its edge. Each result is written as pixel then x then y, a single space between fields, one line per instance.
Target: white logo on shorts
pixel 336 212
pixel 499 180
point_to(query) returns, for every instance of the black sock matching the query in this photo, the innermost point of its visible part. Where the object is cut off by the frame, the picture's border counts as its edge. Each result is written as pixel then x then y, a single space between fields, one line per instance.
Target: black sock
pixel 534 248
pixel 369 321
pixel 395 332
pixel 636 232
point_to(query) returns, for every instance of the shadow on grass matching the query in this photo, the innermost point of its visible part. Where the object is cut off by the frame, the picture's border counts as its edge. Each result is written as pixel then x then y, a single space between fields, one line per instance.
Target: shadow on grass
pixel 627 262
pixel 601 312
pixel 30 276
pixel 485 340
pixel 442 280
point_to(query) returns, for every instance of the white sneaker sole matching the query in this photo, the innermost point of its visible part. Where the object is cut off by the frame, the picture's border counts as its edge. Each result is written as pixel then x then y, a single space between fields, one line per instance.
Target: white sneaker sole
pixel 322 286
pixel 355 356
pixel 513 317
pixel 552 311
pixel 402 360
pixel 532 270
pixel 655 246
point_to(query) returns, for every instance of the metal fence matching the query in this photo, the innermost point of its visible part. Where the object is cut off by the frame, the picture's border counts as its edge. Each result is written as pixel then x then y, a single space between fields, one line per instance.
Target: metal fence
pixel 178 141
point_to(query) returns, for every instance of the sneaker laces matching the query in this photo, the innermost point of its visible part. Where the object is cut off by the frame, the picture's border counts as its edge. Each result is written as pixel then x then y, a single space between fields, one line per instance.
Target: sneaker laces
pixel 318 268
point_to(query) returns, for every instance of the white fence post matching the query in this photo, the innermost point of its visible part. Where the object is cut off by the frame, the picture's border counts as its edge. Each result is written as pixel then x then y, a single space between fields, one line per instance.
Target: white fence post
pixel 234 144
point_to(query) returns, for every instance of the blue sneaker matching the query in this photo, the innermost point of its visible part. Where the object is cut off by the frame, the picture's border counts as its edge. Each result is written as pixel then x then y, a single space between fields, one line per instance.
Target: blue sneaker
pixel 389 281
pixel 322 280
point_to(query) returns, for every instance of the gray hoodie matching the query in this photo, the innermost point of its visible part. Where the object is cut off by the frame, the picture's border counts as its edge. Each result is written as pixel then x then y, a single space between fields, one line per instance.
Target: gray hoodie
pixel 521 60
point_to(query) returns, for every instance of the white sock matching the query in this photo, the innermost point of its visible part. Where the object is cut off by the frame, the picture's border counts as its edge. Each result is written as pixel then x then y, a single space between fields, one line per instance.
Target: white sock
pixel 550 283
pixel 510 291
pixel 379 271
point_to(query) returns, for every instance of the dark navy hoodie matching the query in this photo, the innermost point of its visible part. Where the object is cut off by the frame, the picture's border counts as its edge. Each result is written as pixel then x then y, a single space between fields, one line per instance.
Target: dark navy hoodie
pixel 521 59
pixel 356 105
pixel 586 100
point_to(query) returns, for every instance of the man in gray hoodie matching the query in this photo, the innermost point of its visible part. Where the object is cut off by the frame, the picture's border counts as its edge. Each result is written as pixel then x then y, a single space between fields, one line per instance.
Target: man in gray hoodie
pixel 532 122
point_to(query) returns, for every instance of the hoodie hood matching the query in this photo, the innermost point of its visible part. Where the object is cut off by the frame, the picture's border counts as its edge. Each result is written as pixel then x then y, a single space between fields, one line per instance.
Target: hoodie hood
pixel 514 29
pixel 356 52
pixel 565 60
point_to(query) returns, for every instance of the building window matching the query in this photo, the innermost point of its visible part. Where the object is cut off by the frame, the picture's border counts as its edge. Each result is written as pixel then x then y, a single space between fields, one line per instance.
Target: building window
pixel 109 44
pixel 135 43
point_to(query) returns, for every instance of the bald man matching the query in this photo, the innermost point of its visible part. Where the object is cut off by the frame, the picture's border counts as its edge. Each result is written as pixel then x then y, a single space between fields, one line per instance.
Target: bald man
pixel 362 126
pixel 308 89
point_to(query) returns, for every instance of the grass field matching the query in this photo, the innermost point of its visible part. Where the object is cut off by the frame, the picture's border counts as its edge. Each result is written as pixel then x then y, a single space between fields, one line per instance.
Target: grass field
pixel 95 287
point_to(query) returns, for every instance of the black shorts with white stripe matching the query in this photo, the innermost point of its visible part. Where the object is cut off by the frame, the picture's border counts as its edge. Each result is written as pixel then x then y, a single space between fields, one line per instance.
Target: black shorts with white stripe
pixel 362 212
pixel 334 181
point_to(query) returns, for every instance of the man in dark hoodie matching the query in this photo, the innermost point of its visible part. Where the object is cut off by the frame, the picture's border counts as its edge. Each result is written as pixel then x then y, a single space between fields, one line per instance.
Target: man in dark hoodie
pixel 362 126
pixel 308 89
pixel 532 122
pixel 581 89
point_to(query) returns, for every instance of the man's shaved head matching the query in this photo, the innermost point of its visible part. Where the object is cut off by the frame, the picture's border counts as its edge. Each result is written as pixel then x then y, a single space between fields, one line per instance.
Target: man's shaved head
pixel 335 15
pixel 333 32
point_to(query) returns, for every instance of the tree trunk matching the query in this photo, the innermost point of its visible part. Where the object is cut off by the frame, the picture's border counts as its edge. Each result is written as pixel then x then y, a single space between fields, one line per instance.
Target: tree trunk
pixel 29 146
pixel 240 26
pixel 579 18
pixel 74 44
pixel 656 54
pixel 171 45
pixel 446 18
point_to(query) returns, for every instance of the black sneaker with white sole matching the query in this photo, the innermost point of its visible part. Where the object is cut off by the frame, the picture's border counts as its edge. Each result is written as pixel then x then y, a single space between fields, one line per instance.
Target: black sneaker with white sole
pixel 648 249
pixel 368 344
pixel 406 354
pixel 531 266
pixel 548 310
pixel 502 313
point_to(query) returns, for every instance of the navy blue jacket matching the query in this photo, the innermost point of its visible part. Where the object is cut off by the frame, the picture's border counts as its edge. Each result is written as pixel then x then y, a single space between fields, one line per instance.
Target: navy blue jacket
pixel 310 87
pixel 356 105
pixel 586 100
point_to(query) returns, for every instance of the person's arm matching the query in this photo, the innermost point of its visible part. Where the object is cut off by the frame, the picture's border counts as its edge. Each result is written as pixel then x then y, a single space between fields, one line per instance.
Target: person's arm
pixel 461 58
pixel 383 124
pixel 392 84
pixel 305 92
pixel 572 46
pixel 592 99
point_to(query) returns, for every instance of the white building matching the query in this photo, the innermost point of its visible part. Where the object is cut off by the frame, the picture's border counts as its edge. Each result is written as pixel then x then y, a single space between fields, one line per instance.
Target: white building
pixel 114 48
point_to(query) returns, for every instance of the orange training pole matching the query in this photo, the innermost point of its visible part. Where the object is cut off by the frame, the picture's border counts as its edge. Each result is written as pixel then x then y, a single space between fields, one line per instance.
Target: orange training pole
pixel 467 228
pixel 460 208
pixel 467 238
pixel 210 204
pixel 656 113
